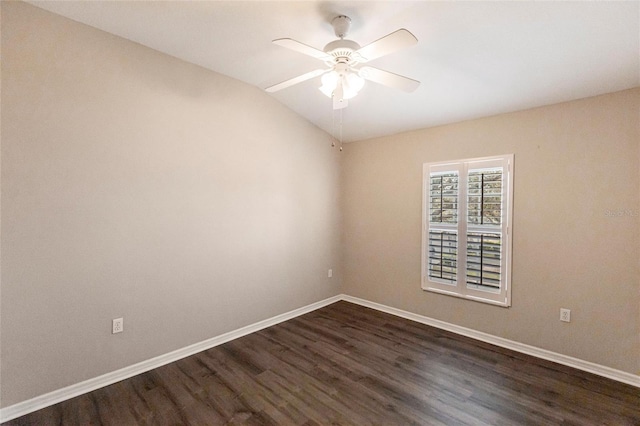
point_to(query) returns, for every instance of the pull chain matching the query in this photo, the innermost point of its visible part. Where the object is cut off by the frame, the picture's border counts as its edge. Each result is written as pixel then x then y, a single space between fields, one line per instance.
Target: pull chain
pixel 341 109
pixel 333 128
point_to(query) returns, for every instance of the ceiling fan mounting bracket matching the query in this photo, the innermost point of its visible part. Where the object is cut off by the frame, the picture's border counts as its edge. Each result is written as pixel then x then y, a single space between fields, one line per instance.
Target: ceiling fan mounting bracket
pixel 341 25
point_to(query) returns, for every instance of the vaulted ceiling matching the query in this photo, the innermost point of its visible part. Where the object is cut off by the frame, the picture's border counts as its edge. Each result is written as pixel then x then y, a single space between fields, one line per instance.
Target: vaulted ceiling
pixel 473 59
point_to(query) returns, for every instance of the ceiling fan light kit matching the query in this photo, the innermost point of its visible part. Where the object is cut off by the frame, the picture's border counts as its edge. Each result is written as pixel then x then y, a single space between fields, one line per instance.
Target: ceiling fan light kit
pixel 343 79
pixel 341 84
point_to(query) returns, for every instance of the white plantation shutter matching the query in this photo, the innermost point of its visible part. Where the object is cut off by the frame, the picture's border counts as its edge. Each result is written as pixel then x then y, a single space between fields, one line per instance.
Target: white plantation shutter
pixel 443 194
pixel 484 261
pixel 466 241
pixel 443 197
pixel 443 255
pixel 485 200
pixel 484 197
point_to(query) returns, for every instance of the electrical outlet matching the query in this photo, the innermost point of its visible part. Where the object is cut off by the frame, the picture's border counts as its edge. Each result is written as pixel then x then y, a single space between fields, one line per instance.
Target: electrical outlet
pixel 117 325
pixel 565 315
pixel 330 273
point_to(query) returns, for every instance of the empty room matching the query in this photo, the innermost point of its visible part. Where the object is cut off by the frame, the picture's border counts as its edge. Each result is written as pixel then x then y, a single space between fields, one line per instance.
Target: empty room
pixel 313 213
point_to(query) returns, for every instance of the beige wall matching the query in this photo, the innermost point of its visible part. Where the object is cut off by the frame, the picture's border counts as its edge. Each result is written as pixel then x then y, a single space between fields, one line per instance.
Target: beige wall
pixel 137 185
pixel 573 162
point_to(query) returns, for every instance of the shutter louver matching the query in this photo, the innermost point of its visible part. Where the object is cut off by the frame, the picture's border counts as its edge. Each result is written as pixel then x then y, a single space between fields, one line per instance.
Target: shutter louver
pixel 484 260
pixel 443 254
pixel 443 198
pixel 484 197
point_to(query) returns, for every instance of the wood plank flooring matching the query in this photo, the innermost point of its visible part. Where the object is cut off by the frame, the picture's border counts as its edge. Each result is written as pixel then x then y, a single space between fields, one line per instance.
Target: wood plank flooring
pixel 346 364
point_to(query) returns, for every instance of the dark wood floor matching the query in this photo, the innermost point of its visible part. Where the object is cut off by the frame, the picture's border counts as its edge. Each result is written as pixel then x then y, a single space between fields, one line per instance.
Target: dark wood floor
pixel 346 364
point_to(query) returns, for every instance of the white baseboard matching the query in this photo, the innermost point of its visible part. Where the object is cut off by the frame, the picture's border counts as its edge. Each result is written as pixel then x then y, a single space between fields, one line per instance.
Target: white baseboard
pixel 51 398
pixel 42 401
pixel 600 370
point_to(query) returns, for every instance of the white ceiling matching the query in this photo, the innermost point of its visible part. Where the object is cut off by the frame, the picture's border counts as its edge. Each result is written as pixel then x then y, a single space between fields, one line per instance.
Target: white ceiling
pixel 474 59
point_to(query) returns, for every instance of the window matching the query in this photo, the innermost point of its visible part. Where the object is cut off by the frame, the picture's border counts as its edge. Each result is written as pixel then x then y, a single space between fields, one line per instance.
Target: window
pixel 466 241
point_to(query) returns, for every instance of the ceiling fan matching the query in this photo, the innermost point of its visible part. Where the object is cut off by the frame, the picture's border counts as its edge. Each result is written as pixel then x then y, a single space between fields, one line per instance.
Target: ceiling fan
pixel 344 77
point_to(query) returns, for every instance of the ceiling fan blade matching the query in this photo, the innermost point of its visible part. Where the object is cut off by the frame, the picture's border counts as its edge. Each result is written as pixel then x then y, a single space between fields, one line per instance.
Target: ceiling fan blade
pixel 389 79
pixel 302 48
pixel 388 44
pixel 295 80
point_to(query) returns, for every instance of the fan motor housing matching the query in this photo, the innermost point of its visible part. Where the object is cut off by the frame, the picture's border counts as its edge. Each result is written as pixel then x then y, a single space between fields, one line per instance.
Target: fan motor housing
pixel 341 49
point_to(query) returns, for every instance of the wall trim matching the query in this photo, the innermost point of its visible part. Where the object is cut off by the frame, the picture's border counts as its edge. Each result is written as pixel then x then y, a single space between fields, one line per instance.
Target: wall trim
pixel 20 409
pixel 590 367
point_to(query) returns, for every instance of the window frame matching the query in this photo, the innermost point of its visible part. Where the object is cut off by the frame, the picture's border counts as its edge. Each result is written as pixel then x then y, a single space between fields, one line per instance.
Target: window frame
pixel 460 288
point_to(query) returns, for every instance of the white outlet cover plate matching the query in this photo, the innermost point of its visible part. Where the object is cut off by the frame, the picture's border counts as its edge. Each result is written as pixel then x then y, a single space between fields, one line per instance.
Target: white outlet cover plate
pixel 117 325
